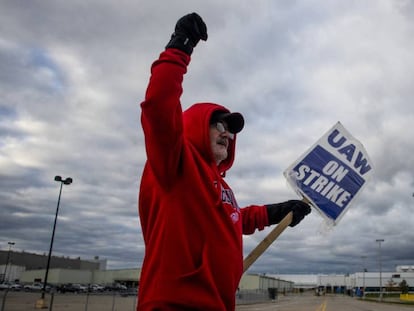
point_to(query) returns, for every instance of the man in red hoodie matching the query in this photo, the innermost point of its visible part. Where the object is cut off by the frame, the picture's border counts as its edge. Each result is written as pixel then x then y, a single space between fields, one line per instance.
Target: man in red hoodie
pixel 191 223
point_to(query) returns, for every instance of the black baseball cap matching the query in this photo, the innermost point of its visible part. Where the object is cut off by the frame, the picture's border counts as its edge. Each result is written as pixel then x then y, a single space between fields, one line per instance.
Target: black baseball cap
pixel 234 120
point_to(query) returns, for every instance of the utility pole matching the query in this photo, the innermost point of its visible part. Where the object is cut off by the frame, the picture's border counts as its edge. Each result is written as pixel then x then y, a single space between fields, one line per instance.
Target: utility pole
pixel 380 266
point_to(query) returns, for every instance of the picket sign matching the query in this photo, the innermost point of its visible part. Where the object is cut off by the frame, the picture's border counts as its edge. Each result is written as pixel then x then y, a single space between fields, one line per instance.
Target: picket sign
pixel 332 173
pixel 328 176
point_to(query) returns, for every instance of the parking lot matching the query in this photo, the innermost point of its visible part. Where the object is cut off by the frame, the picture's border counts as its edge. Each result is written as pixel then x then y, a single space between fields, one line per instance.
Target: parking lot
pixel 25 301
pixel 111 301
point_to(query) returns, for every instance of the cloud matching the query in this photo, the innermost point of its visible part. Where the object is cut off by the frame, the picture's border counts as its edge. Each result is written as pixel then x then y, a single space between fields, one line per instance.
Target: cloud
pixel 72 75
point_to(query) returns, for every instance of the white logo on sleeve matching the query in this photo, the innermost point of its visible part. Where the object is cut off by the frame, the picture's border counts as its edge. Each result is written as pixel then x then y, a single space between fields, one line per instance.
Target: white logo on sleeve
pixel 227 197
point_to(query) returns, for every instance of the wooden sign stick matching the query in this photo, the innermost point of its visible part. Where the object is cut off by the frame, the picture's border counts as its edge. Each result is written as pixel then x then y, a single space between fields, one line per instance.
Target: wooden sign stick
pixel 267 241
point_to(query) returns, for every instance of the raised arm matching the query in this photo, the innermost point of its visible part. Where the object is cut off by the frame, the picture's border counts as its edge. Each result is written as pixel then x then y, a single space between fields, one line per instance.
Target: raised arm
pixel 161 116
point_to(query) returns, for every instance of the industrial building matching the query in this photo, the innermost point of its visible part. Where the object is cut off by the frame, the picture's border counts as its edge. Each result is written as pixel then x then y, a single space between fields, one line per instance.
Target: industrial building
pixel 26 267
pixel 370 281
pixel 20 266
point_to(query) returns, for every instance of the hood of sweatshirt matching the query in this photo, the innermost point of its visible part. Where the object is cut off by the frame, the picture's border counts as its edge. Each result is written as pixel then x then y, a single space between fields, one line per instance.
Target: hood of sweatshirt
pixel 196 121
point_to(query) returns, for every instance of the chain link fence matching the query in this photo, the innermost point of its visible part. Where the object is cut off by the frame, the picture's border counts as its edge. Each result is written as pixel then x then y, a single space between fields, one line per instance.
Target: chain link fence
pixel 105 301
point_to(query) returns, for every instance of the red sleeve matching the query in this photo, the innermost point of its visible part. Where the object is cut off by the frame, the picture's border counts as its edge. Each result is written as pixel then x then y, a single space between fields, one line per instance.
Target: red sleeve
pixel 161 115
pixel 254 217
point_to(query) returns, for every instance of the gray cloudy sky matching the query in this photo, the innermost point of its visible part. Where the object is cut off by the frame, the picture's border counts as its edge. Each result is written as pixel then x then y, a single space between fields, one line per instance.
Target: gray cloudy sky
pixel 72 75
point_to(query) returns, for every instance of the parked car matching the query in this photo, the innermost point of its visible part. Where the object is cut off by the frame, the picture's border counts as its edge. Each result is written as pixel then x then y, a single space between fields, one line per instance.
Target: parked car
pixel 16 286
pixel 81 288
pixel 96 288
pixel 33 287
pixel 71 288
pixel 66 288
pixel 116 287
pixel 4 286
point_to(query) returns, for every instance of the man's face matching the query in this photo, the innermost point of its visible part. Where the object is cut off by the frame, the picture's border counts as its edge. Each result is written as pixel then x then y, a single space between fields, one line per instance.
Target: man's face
pixel 219 139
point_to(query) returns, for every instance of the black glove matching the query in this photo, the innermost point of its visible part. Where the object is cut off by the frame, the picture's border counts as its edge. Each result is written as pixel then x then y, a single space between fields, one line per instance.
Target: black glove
pixel 188 32
pixel 276 212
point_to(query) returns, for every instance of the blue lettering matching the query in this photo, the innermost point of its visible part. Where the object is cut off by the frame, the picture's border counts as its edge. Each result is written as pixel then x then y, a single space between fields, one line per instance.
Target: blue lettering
pixel 358 160
pixel 361 163
pixel 339 142
pixel 348 151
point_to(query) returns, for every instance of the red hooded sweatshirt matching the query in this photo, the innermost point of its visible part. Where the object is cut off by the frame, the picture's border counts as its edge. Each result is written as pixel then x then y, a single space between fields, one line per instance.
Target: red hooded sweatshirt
pixel 191 223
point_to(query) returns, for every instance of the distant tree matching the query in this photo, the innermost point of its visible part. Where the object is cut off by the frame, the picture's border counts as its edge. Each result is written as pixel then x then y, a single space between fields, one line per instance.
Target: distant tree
pixel 404 287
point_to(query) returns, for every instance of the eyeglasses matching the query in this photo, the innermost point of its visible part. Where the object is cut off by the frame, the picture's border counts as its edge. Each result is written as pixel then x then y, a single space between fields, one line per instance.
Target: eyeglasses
pixel 223 128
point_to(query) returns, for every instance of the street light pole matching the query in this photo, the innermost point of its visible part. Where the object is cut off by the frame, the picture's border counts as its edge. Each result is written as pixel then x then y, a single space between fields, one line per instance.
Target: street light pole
pixel 380 265
pixel 363 277
pixel 7 261
pixel 66 181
